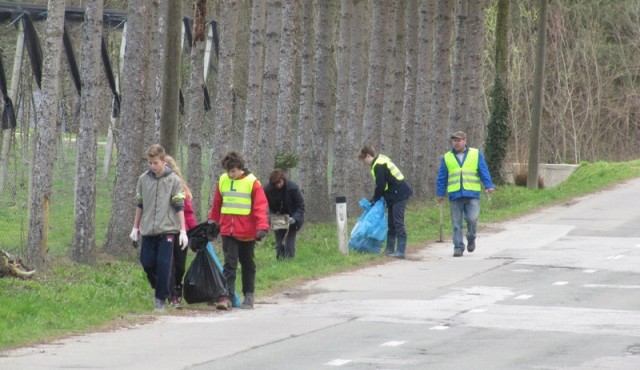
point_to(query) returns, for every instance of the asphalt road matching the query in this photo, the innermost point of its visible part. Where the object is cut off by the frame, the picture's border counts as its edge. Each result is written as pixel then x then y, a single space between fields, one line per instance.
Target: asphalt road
pixel 559 289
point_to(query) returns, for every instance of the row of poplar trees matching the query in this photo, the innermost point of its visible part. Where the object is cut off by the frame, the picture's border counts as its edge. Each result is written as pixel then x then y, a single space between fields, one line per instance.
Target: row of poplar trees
pixel 323 77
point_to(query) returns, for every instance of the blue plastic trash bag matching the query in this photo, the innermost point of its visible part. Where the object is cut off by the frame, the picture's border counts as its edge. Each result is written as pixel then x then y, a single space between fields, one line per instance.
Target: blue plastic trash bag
pixel 370 231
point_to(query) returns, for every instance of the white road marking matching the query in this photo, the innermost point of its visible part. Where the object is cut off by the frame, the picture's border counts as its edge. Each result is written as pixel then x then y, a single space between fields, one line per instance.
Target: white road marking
pixel 560 283
pixel 521 270
pixel 337 362
pixel 615 257
pixel 393 343
pixel 523 296
pixel 611 286
pixel 589 271
pixel 439 327
pixel 477 310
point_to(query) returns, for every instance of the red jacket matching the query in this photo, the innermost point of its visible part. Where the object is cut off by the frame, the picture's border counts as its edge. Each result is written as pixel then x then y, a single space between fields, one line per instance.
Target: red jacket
pixel 242 227
pixel 189 218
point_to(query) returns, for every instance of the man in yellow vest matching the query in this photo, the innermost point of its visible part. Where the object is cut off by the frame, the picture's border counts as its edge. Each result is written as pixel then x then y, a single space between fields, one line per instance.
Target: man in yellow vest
pixel 462 173
pixel 239 212
pixel 390 184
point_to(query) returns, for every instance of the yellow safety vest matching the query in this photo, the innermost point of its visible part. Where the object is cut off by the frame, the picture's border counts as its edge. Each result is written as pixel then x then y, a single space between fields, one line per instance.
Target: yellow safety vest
pixel 386 161
pixel 465 177
pixel 236 194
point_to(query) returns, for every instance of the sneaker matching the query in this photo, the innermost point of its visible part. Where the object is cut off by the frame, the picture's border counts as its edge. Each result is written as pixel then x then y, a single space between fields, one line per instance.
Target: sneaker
pixel 247 304
pixel 458 252
pixel 397 255
pixel 176 302
pixel 160 304
pixel 223 304
pixel 471 246
pixel 388 252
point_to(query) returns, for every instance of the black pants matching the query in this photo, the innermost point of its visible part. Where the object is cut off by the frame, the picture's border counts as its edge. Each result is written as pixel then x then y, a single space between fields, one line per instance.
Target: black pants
pixel 243 251
pixel 178 270
pixel 286 242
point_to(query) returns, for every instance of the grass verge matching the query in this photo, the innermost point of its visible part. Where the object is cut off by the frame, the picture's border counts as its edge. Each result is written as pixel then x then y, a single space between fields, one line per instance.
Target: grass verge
pixel 73 298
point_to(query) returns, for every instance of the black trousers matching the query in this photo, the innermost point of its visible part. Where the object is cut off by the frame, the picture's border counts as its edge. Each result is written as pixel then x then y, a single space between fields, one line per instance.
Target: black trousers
pixel 179 268
pixel 239 251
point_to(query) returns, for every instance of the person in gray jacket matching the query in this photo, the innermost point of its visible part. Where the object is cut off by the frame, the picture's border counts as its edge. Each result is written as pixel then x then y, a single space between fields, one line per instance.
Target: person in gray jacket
pixel 160 220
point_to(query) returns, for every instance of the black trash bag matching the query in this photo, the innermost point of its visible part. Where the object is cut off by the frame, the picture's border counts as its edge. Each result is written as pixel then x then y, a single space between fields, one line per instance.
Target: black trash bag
pixel 204 282
pixel 198 237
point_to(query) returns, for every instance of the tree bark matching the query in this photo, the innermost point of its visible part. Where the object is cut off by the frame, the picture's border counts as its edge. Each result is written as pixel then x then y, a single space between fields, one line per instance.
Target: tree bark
pixel 286 77
pixel 196 106
pixel 170 116
pixel 254 84
pixel 307 80
pixel 224 97
pixel 40 181
pixel 341 147
pixel 421 141
pixel 84 238
pixel 131 134
pixel 269 115
pixel 459 78
pixel 358 179
pixel 409 96
pixel 387 126
pixel 439 132
pixel 376 74
pixel 476 117
pixel 320 209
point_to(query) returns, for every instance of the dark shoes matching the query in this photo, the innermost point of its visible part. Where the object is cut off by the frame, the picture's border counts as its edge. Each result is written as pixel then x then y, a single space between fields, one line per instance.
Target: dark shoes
pixel 471 246
pixel 458 252
pixel 247 304
pixel 396 255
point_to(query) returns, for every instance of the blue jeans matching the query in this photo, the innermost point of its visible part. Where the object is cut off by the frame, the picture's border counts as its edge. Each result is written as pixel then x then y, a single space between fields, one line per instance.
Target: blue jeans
pixel 469 208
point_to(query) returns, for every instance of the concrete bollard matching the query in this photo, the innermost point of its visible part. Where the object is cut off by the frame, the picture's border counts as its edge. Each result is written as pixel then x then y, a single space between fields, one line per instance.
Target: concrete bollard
pixel 341 219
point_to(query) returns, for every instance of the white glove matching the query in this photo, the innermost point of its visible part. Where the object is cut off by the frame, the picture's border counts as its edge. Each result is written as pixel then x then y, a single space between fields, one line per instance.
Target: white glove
pixel 134 234
pixel 184 241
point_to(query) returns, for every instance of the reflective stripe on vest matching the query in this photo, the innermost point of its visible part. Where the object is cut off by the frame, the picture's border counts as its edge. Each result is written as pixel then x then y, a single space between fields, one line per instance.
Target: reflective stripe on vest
pixel 236 194
pixel 384 160
pixel 465 177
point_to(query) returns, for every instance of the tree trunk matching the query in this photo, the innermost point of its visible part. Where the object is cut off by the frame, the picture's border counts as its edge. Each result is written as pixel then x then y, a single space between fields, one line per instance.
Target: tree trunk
pixel 254 84
pixel 196 106
pixel 286 77
pixel 84 238
pixel 357 179
pixel 224 97
pixel 269 115
pixel 498 126
pixel 371 130
pixel 130 152
pixel 397 90
pixel 341 147
pixel 459 78
pixel 409 96
pixel 40 181
pixel 538 98
pixel 305 151
pixel 156 26
pixel 476 118
pixel 170 116
pixel 388 128
pixel 320 209
pixel 439 132
pixel 8 134
pixel 423 88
